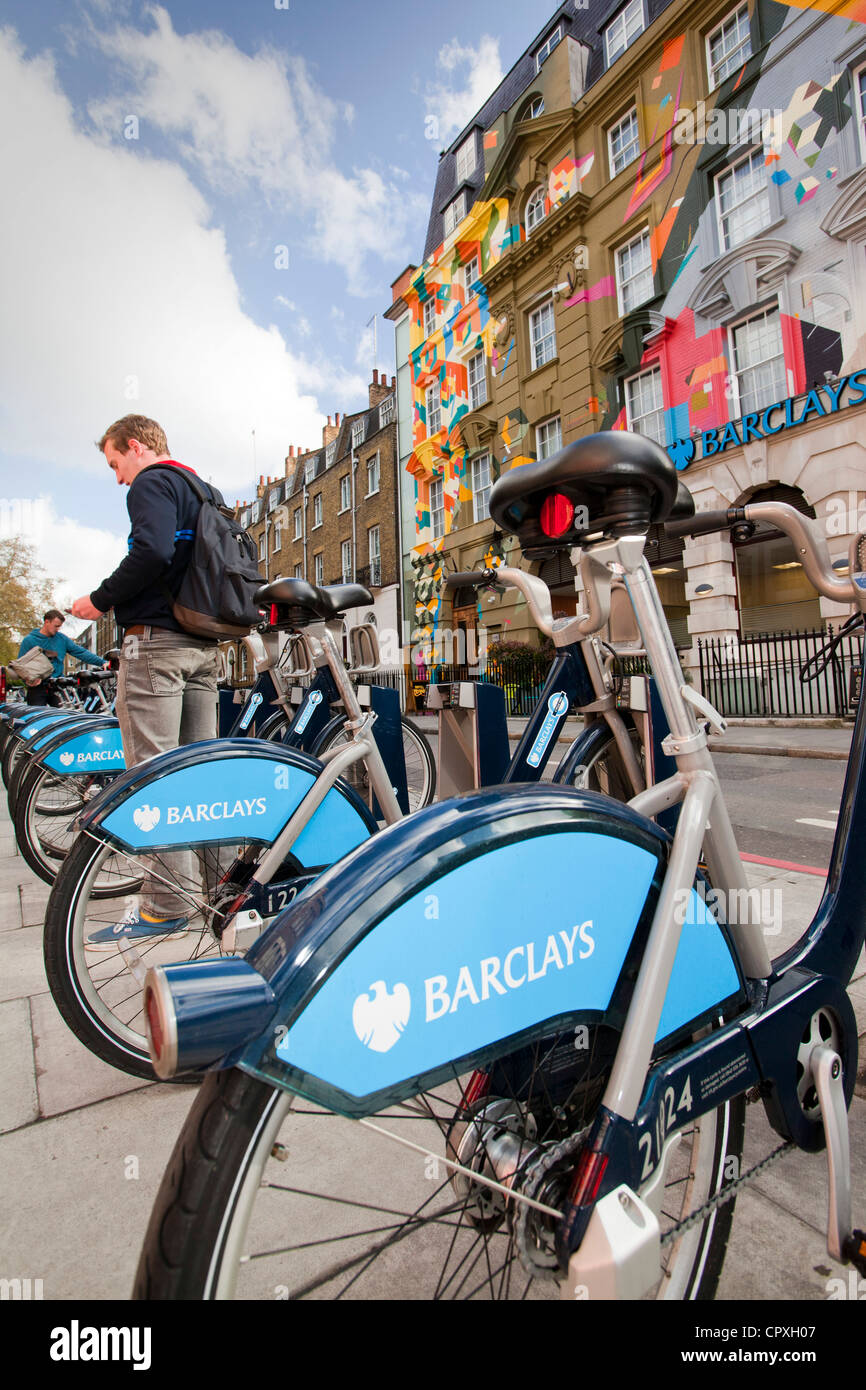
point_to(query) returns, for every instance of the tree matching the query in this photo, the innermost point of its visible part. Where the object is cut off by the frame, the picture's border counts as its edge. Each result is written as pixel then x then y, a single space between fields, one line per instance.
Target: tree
pixel 25 594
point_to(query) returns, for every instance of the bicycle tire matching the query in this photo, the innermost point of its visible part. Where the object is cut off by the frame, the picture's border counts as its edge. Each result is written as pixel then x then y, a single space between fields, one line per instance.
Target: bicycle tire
pixel 99 993
pixel 98 986
pixel 420 764
pixel 13 750
pixel 45 830
pixel 203 1232
pixel 274 727
pixel 593 763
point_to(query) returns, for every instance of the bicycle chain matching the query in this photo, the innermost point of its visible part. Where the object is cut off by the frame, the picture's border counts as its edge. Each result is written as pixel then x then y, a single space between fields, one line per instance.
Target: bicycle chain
pixel 534 1176
pixel 538 1170
pixel 726 1195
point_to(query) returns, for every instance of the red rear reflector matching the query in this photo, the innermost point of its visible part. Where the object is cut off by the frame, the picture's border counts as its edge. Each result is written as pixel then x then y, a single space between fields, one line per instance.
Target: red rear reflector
pixel 587 1178
pixel 479 1085
pixel 154 1023
pixel 273 618
pixel 557 514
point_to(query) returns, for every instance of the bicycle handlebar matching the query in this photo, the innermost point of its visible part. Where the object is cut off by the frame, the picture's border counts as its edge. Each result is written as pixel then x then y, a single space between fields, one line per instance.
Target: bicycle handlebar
pixel 809 544
pixel 703 523
pixel 470 579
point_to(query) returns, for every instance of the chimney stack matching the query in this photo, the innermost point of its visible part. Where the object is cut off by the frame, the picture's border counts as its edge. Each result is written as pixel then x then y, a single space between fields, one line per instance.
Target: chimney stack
pixel 378 390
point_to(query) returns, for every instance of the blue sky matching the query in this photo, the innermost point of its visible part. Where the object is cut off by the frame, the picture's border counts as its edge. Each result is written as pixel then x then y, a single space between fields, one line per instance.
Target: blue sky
pixel 205 205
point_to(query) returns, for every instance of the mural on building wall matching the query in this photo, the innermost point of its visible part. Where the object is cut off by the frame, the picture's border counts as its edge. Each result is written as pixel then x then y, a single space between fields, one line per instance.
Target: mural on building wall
pixel 806 131
pixel 800 123
pixel 463 328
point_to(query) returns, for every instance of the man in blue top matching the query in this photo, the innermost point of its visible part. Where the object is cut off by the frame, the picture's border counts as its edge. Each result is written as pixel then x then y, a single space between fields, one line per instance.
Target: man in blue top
pixel 56 646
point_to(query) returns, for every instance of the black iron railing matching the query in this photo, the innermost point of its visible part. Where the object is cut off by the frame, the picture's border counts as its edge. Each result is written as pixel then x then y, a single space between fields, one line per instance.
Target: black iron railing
pixel 521 675
pixel 759 676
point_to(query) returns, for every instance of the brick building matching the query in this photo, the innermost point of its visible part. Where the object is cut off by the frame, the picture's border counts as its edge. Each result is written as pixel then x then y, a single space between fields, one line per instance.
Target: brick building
pixel 333 517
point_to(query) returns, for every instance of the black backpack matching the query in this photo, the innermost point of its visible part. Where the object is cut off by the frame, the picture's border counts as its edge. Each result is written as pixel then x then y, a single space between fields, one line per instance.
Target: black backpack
pixel 216 594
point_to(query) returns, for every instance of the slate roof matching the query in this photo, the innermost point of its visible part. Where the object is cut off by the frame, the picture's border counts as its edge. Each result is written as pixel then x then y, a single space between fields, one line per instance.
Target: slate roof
pixel 588 26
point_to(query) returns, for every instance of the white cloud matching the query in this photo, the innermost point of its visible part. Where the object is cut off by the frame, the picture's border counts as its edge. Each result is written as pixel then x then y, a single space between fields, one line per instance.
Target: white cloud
pixel 258 122
pixel 478 71
pixel 75 557
pixel 118 296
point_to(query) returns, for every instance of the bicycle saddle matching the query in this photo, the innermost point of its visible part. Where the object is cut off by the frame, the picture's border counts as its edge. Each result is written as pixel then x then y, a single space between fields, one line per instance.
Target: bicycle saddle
pixel 305 603
pixel 344 596
pixel 612 483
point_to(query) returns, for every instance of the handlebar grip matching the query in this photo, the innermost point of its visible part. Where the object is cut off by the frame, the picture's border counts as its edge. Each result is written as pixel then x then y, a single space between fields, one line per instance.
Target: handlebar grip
pixel 468 579
pixel 703 523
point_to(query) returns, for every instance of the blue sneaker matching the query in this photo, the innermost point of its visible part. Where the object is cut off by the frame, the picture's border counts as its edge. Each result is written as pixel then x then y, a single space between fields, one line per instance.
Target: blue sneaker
pixel 135 926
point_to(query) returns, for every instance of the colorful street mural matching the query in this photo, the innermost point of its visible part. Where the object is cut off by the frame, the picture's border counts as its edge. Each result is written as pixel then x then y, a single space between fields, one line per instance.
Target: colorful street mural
pixel 681 329
pixel 693 353
pixel 463 327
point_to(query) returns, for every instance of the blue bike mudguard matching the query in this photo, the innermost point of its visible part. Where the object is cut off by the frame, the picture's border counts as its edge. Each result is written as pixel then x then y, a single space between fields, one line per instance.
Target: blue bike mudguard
pixel 42 735
pixel 222 791
pixel 40 732
pixel 463 933
pixel 95 748
pixel 25 726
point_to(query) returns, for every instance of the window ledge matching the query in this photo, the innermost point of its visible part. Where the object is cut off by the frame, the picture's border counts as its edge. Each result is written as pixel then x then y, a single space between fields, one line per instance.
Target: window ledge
pixel 551 362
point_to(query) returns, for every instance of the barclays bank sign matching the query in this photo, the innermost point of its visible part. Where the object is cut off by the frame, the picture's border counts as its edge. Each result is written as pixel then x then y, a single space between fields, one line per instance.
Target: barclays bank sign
pixel 761 424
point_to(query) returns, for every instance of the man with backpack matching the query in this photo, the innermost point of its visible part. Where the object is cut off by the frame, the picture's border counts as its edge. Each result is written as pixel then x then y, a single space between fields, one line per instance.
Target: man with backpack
pixel 167 681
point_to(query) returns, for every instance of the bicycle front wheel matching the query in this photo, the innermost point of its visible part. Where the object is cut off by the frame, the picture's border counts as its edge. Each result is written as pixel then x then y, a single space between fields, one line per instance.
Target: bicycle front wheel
pixel 267 1196
pixel 420 764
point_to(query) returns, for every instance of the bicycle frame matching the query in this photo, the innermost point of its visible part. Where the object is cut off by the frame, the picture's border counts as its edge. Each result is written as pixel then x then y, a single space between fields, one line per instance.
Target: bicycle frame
pixel 351 928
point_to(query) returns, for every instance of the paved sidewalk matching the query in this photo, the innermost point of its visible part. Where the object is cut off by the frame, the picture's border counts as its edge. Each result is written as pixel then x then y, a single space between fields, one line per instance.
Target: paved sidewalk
pixel 781 740
pixel 83 1147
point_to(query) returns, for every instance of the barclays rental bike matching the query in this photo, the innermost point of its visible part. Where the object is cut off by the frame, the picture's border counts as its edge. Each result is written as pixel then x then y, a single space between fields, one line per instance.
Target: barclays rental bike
pixel 233 827
pixel 502 1049
pixel 264 820
pixel 65 762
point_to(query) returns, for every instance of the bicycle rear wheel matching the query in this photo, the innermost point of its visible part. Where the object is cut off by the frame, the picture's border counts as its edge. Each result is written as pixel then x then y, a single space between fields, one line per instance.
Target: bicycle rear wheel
pixel 358 1216
pixel 99 992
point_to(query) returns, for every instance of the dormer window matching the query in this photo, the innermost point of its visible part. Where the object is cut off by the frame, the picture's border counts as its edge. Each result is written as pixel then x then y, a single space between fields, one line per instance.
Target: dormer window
pixel 309 470
pixel 330 453
pixel 357 433
pixel 622 32
pixel 467 159
pixel 455 213
pixel 536 209
pixel 547 47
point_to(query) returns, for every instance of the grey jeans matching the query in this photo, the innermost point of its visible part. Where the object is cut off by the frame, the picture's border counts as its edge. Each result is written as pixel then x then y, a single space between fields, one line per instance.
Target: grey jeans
pixel 166 696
